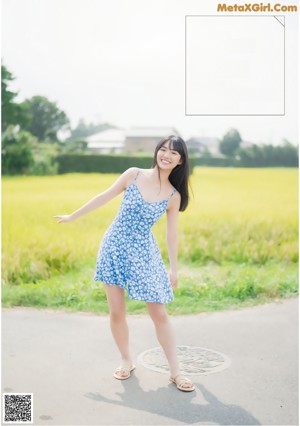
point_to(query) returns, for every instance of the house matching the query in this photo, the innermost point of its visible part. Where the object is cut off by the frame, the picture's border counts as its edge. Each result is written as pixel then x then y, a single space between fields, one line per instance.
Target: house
pixel 132 140
pixel 200 145
pixel 145 139
pixel 110 141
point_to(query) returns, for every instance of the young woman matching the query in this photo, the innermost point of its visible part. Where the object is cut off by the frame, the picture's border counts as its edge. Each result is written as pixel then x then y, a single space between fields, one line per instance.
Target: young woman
pixel 129 258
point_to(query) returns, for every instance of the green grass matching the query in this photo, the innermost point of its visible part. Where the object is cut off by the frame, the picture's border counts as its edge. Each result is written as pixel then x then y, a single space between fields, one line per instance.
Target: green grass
pixel 238 241
pixel 207 289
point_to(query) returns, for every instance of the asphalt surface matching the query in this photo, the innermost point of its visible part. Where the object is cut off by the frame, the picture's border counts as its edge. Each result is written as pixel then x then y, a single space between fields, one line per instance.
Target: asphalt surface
pixel 67 361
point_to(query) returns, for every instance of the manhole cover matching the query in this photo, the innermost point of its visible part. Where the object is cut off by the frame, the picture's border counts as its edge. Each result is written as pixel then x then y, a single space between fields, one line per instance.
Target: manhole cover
pixel 193 360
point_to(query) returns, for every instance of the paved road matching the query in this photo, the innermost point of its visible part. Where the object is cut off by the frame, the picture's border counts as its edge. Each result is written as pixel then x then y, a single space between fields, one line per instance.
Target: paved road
pixel 67 361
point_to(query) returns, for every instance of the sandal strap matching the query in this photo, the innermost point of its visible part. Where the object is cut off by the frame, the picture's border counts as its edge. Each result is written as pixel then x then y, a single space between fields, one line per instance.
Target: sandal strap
pixel 181 379
pixel 125 368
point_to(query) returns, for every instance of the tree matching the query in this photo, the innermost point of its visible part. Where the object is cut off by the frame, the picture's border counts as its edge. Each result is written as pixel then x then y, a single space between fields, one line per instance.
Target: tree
pixel 82 130
pixel 285 155
pixel 12 113
pixel 7 97
pixel 230 143
pixel 47 119
pixel 44 155
pixel 23 154
pixel 17 156
pixel 74 147
pixel 290 153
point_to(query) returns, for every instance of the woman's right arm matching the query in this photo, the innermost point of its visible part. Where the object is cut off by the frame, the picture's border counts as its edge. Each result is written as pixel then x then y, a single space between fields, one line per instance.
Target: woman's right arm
pixel 101 199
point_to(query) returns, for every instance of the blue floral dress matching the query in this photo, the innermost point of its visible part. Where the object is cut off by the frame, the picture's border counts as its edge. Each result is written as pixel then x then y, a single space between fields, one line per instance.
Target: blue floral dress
pixel 129 256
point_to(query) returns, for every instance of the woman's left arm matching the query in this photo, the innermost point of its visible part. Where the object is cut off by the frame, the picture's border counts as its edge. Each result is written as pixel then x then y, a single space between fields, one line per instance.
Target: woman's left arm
pixel 172 239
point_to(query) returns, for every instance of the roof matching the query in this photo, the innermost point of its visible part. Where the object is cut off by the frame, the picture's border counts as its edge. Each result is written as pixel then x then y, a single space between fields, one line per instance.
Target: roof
pixel 105 145
pixel 107 136
pixel 151 132
pixel 204 140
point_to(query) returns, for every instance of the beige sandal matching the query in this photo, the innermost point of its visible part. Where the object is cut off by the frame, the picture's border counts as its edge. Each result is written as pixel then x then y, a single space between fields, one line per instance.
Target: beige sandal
pixel 123 369
pixel 180 380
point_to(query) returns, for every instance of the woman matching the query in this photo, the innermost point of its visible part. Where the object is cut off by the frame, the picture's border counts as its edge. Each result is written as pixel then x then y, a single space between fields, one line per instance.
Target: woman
pixel 129 258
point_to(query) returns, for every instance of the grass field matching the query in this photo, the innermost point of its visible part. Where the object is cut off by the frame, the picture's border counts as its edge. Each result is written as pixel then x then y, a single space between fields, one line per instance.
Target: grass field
pixel 238 240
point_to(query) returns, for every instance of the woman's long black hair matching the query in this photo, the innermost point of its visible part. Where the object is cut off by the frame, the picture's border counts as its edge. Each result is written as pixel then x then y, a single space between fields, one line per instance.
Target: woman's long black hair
pixel 179 176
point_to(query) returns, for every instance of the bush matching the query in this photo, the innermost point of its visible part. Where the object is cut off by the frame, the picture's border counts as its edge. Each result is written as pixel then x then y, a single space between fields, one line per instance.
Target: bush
pixel 214 162
pixel 99 163
pixel 23 154
pixel 17 156
pixel 44 159
pixel 285 155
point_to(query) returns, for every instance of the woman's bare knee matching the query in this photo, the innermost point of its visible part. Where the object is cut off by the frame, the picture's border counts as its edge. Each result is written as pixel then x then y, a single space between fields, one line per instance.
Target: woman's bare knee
pixel 157 312
pixel 116 302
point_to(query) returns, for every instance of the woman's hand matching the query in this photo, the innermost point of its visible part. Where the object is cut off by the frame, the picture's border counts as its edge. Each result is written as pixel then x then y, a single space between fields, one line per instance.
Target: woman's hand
pixel 174 279
pixel 64 218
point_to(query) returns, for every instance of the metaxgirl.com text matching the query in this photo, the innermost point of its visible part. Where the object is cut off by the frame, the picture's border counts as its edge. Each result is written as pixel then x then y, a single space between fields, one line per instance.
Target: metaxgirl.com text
pixel 256 7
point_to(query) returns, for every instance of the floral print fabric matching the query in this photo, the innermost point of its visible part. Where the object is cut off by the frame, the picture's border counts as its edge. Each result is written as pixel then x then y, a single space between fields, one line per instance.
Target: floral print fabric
pixel 129 256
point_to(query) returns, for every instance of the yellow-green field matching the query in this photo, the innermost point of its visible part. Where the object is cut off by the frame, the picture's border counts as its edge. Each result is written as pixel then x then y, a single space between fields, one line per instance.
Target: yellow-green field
pixel 238 240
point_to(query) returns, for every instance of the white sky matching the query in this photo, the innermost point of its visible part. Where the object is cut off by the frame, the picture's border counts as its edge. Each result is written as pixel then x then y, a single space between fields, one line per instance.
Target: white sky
pixel 123 61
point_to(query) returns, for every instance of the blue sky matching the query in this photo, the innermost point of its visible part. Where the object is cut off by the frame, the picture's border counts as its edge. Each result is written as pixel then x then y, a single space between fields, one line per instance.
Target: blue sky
pixel 123 61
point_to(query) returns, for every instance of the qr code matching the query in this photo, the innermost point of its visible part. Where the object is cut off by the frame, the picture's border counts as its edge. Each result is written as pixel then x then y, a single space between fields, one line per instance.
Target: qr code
pixel 18 408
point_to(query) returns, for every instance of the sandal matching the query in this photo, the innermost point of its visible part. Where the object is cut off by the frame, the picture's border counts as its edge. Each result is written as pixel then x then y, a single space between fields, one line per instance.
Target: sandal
pixel 123 369
pixel 180 381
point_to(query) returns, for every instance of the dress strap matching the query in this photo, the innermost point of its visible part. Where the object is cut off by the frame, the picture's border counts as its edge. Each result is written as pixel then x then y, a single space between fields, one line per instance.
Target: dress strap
pixel 137 175
pixel 173 192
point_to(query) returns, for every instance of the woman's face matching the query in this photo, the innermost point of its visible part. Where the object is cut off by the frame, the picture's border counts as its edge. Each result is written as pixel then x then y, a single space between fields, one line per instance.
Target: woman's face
pixel 167 158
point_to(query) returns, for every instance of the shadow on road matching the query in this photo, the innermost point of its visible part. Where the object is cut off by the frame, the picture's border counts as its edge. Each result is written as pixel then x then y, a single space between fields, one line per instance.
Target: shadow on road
pixel 176 405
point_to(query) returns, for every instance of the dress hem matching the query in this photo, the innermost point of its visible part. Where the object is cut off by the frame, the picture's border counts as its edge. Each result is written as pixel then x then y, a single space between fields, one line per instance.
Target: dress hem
pixel 130 297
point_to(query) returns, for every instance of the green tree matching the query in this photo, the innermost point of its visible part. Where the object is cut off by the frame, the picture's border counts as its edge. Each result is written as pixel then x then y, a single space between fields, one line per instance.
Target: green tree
pixel 47 119
pixel 285 155
pixel 83 130
pixel 74 147
pixel 230 143
pixel 7 97
pixel 44 155
pixel 12 113
pixel 17 155
pixel 23 154
pixel 290 153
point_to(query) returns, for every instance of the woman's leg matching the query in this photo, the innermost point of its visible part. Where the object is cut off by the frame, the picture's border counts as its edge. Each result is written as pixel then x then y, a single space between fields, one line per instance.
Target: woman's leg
pixel 166 337
pixel 165 334
pixel 118 324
